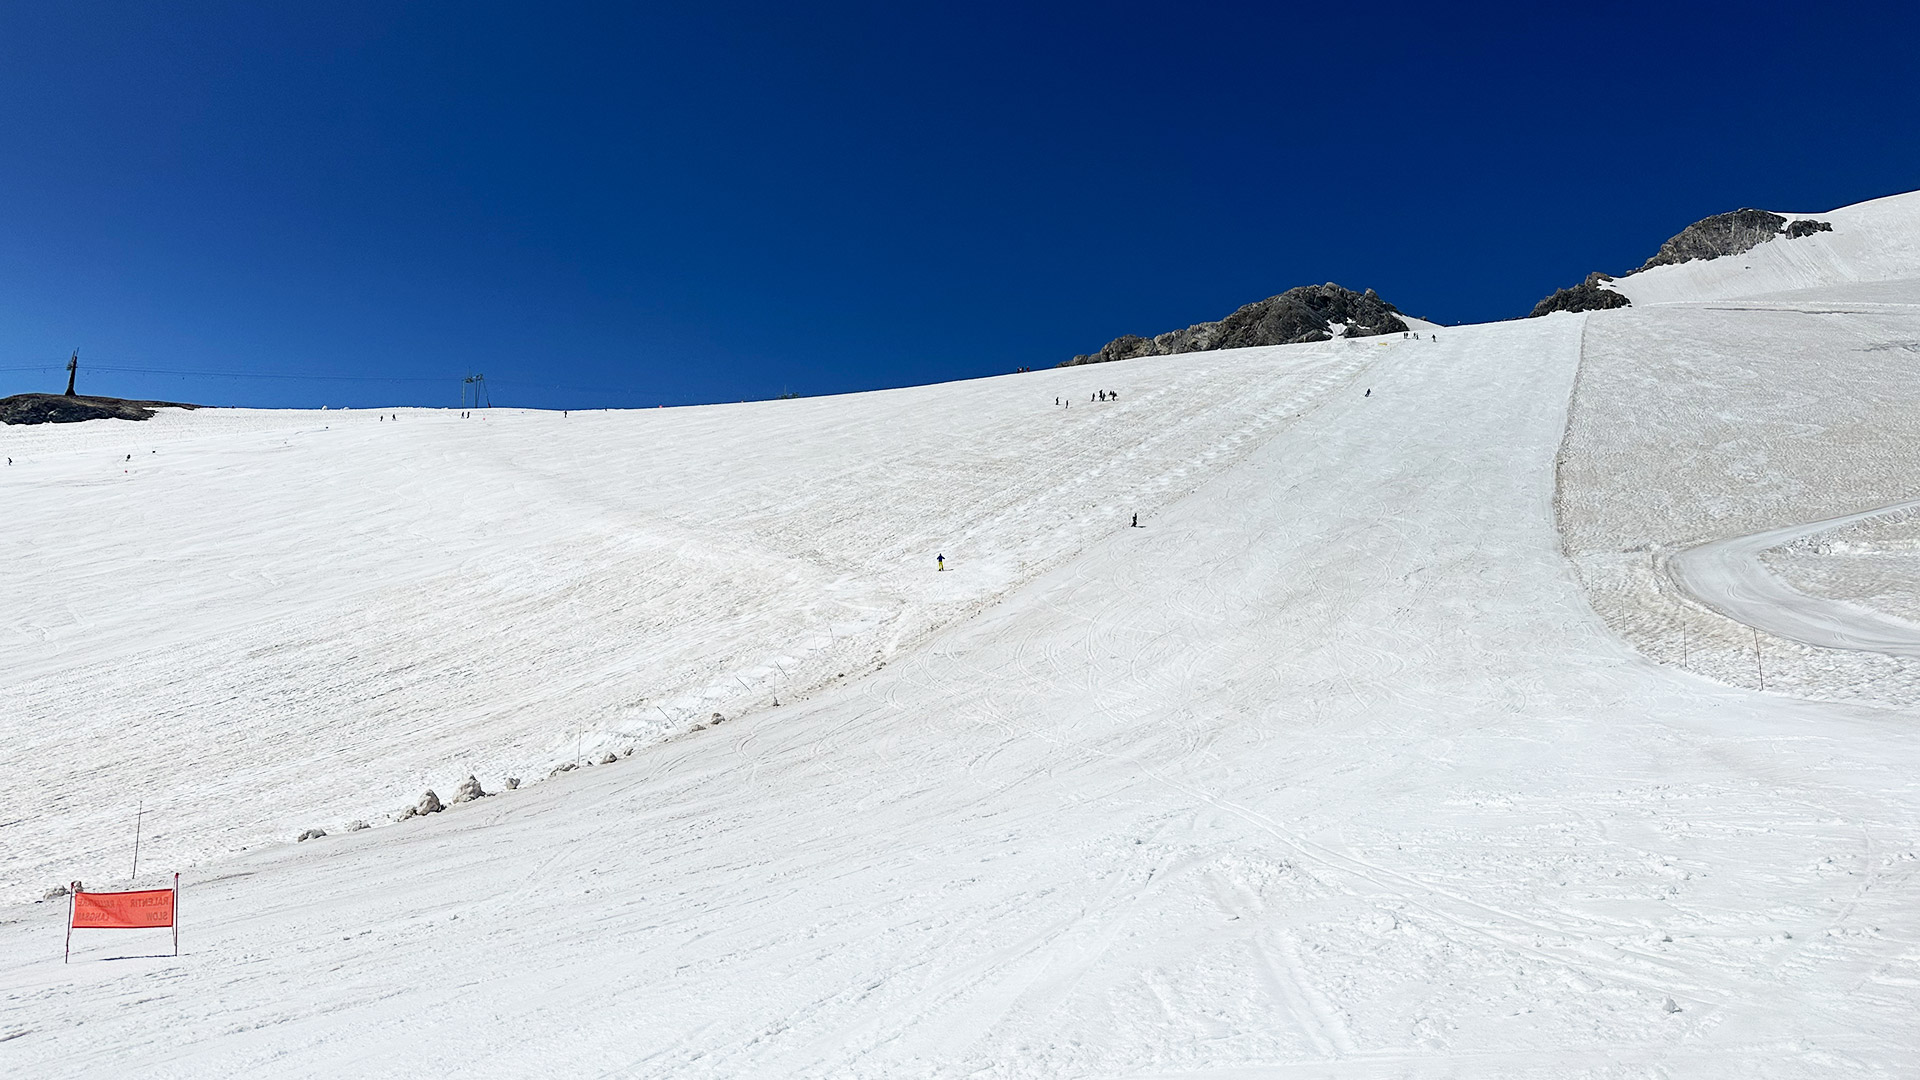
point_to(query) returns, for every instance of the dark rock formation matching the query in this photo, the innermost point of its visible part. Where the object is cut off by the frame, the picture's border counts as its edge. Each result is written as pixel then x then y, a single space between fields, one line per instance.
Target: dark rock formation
pixel 1586 296
pixel 61 409
pixel 1303 314
pixel 1721 234
pixel 1807 227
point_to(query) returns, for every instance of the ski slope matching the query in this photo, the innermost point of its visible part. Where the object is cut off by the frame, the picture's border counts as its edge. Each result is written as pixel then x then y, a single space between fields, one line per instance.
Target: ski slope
pixel 1331 769
pixel 283 620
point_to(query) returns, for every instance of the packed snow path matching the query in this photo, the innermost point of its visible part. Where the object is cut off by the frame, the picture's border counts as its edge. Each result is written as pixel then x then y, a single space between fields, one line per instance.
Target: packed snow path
pixel 1729 576
pixel 1330 771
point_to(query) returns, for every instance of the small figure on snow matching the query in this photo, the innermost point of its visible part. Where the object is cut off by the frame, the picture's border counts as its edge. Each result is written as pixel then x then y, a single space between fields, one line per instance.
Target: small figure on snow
pixel 1136 521
pixel 939 562
pixel 1369 392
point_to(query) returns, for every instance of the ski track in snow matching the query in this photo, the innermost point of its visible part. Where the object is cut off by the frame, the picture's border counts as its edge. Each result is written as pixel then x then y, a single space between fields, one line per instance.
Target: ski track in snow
pixel 1729 576
pixel 1328 771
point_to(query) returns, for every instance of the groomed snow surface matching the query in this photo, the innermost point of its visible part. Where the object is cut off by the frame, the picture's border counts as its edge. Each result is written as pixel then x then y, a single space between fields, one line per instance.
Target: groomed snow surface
pixel 1329 770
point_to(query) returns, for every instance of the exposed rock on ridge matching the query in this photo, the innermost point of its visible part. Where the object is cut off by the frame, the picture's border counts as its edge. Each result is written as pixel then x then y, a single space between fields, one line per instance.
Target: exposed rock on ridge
pixel 1709 238
pixel 1303 314
pixel 61 409
pixel 1586 296
pixel 1721 234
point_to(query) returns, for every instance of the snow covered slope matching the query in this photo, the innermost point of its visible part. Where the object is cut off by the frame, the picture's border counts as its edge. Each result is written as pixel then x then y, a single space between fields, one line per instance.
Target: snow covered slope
pixel 1699 420
pixel 261 622
pixel 1330 770
pixel 1877 241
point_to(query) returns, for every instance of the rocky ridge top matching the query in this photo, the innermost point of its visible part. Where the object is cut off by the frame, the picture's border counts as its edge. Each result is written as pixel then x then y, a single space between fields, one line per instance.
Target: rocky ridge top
pixel 1308 313
pixel 1713 237
pixel 61 409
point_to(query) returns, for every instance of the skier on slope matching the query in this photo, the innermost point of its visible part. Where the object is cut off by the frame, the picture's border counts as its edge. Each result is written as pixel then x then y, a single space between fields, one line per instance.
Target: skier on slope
pixel 939 562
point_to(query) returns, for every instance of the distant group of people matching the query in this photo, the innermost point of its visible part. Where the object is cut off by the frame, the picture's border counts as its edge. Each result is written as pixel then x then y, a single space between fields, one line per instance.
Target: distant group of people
pixel 1405 334
pixel 1097 395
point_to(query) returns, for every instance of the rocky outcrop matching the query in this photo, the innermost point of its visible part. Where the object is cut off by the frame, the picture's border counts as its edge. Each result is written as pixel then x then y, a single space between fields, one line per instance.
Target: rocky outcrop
pixel 61 409
pixel 1709 238
pixel 1586 296
pixel 1308 313
pixel 1721 234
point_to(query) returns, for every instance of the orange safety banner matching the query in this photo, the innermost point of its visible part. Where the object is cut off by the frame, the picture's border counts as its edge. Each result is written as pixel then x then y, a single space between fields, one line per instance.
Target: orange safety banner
pixel 123 910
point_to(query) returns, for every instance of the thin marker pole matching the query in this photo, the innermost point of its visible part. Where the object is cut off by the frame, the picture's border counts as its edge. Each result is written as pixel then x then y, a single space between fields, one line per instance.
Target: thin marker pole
pixel 67 957
pixel 1762 668
pixel 141 812
pixel 176 913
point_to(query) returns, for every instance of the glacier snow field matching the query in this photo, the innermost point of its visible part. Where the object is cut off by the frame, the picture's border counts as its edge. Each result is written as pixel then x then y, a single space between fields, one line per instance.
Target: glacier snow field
pixel 1390 745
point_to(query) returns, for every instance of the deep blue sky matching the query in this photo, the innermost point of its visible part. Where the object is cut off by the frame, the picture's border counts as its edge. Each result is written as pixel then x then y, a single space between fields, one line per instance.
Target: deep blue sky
pixel 628 205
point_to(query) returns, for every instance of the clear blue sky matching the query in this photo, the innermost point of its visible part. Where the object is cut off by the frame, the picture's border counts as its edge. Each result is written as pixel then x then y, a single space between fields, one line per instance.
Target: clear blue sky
pixel 631 204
